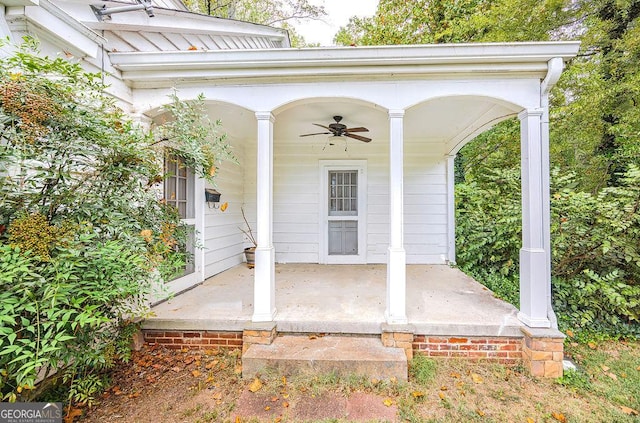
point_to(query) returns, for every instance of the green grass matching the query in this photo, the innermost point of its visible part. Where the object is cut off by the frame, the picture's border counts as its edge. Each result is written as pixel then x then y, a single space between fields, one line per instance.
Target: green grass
pixel 422 370
pixel 611 371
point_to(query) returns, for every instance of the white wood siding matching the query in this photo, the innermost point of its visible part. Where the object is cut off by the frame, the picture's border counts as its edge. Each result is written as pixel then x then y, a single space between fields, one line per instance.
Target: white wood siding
pixel 425 201
pixel 296 194
pixel 223 241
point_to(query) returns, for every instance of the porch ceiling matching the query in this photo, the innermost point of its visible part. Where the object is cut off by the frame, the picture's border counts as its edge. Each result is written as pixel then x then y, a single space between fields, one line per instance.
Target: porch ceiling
pixel 451 119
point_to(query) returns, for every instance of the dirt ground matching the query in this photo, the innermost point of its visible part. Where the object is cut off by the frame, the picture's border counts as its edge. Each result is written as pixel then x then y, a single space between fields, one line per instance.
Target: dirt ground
pixel 160 385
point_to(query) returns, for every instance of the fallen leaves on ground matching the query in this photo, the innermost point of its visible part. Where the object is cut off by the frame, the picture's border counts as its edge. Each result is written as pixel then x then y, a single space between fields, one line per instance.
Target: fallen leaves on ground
pixel 388 402
pixel 256 385
pixel 559 417
pixel 628 410
pixel 442 395
pixel 72 413
pixel 476 378
pixel 417 394
pixel 530 420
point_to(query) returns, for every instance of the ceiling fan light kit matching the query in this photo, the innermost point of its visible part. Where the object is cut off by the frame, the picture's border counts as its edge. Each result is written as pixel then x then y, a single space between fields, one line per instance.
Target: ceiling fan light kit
pixel 339 130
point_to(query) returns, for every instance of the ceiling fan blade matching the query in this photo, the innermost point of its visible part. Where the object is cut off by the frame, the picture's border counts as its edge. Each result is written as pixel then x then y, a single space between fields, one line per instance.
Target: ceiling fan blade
pixel 322 126
pixel 317 133
pixel 357 137
pixel 358 129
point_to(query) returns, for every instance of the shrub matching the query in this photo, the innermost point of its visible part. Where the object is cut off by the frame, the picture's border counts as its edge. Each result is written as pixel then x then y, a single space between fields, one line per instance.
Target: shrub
pixel 84 238
pixel 595 246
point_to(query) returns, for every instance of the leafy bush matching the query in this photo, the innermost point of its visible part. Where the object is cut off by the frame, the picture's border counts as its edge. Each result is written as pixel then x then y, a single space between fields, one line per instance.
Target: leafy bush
pixel 595 246
pixel 84 237
pixel 488 230
pixel 596 255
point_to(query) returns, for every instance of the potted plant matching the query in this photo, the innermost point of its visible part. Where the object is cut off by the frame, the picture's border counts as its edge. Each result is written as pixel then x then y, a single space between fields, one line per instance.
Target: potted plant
pixel 249 252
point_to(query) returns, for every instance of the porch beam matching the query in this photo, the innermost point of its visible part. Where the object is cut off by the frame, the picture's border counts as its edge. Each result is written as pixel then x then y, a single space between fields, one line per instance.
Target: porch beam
pixel 535 274
pixel 264 292
pixel 396 256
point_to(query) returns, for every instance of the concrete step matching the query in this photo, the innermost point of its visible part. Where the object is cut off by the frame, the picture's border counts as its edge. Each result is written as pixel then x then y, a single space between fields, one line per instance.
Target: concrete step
pixel 343 355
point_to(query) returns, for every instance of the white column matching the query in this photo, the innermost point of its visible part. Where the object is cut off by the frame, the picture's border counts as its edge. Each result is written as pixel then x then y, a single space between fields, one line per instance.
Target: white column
pixel 451 208
pixel 5 31
pixel 264 293
pixel 396 256
pixel 535 275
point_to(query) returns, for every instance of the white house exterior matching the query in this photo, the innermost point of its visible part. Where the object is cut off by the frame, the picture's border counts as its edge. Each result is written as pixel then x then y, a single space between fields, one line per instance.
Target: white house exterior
pixel 421 104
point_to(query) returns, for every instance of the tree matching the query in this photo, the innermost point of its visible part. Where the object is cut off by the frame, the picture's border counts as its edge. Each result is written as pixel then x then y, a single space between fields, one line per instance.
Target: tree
pixel 443 21
pixel 278 13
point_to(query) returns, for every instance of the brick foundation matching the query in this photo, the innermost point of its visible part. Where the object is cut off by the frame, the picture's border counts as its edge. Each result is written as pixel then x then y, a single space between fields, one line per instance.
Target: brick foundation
pixel 542 352
pixel 399 336
pixel 193 339
pixel 258 333
pixel 506 350
pixel 539 350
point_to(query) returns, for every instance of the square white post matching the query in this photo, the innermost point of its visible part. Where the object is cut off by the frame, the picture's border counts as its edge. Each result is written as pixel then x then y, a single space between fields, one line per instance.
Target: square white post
pixel 535 274
pixel 451 208
pixel 264 288
pixel 396 256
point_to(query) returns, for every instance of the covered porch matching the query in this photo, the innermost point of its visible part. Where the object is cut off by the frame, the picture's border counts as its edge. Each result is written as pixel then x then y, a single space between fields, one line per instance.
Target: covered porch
pixel 341 299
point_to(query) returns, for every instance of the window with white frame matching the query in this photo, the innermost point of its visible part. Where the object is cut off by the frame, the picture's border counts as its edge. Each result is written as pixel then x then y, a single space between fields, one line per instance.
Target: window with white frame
pixel 179 184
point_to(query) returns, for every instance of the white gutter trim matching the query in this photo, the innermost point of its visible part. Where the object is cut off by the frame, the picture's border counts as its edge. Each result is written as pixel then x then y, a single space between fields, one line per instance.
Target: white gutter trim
pixel 72 22
pixel 502 53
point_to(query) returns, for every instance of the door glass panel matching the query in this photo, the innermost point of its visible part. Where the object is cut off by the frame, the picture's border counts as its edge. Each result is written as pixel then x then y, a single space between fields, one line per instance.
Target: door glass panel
pixel 343 193
pixel 179 193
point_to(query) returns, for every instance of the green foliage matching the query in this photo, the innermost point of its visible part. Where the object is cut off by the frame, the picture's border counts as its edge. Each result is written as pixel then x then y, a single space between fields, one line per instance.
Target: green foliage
pixel 596 254
pixel 444 21
pixel 574 379
pixel 193 137
pixel 595 244
pixel 84 238
pixel 488 230
pixel 83 391
pixel 422 369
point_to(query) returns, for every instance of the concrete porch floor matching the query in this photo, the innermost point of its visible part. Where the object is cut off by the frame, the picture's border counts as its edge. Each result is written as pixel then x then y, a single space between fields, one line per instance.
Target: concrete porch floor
pixel 341 299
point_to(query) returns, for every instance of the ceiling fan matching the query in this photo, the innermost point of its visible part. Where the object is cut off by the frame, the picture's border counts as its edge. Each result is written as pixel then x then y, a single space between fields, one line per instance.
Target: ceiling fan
pixel 338 129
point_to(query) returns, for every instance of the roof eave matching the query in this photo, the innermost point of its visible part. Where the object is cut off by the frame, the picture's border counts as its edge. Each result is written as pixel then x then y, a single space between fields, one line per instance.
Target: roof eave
pixel 503 58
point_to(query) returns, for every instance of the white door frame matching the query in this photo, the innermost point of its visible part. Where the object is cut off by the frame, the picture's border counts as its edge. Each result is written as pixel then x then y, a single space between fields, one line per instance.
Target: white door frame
pixel 323 253
pixel 185 282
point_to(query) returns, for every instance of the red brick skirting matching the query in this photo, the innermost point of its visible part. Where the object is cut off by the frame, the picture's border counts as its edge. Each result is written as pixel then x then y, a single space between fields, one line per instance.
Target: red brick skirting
pixel 501 349
pixel 507 350
pixel 193 339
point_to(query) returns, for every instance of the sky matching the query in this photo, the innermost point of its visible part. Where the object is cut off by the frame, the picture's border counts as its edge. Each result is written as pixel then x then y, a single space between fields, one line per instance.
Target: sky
pixel 339 12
